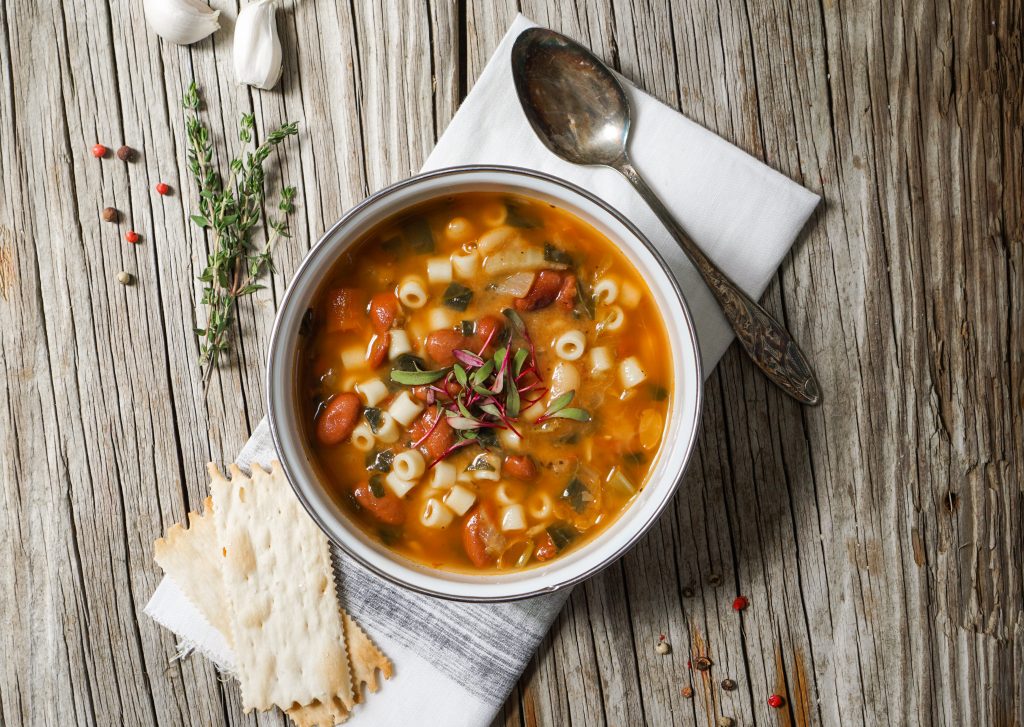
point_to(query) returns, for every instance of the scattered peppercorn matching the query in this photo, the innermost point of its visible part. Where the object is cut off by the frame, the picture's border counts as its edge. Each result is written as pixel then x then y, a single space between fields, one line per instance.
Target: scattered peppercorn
pixel 125 278
pixel 726 722
pixel 728 685
pixel 776 701
pixel 740 603
pixel 663 647
pixel 131 236
pixel 687 692
pixel 99 151
pixel 702 663
pixel 162 188
pixel 714 579
pixel 126 154
pixel 110 214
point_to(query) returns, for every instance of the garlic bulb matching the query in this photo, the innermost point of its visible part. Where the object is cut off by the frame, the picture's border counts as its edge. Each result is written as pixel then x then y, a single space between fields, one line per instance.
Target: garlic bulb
pixel 181 21
pixel 257 49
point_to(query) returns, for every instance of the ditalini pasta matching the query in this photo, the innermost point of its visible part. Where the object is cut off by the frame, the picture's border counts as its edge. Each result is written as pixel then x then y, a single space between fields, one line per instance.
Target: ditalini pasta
pixel 485 382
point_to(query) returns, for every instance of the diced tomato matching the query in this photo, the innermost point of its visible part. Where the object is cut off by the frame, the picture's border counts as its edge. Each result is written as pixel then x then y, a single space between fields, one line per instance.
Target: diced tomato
pixel 420 392
pixel 566 297
pixel 379 349
pixel 384 308
pixel 480 535
pixel 440 346
pixel 546 287
pixel 546 549
pixel 387 509
pixel 341 309
pixel 338 420
pixel 519 466
pixel 440 438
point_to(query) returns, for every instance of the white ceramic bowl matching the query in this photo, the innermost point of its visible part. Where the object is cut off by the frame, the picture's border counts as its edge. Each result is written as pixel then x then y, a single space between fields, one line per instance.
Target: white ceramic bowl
pixel 668 467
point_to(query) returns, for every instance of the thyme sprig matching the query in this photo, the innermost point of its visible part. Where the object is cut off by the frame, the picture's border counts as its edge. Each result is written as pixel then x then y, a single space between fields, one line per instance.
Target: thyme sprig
pixel 231 209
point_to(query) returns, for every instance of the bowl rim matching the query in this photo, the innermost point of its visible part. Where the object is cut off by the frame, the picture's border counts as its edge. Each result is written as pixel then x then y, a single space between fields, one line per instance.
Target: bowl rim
pixel 312 259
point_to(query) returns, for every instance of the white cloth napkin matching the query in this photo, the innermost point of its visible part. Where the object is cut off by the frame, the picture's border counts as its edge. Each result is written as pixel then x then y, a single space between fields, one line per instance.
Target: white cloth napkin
pixel 458 662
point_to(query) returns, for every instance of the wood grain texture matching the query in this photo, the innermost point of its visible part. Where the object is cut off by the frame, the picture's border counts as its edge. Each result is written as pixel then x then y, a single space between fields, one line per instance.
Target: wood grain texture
pixel 877 537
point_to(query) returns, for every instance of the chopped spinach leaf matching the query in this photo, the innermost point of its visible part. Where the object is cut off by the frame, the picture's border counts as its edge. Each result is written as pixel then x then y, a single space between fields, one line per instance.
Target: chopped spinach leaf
pixel 577 494
pixel 554 255
pixel 376 486
pixel 635 458
pixel 487 437
pixel 562 534
pixel 457 296
pixel 468 328
pixel 481 463
pixel 658 392
pixel 417 233
pixel 518 217
pixel 374 417
pixel 584 301
pixel 379 461
pixel 408 362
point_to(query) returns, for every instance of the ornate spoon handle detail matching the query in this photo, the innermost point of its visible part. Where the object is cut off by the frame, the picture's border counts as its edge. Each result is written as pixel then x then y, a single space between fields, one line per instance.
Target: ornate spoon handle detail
pixel 765 340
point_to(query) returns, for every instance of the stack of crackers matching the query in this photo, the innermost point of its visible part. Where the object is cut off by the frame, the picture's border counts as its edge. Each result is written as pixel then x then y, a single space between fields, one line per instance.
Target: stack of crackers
pixel 259 570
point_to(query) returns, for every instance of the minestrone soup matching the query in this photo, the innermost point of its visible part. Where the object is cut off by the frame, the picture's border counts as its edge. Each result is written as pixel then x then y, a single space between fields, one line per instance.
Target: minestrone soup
pixel 486 382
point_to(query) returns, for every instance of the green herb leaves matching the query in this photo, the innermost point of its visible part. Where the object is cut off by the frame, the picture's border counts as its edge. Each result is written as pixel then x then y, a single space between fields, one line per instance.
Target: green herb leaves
pixel 557 409
pixel 231 210
pixel 417 378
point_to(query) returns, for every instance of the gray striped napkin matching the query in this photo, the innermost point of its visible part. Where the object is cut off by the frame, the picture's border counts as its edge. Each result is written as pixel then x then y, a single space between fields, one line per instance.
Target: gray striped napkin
pixel 458 662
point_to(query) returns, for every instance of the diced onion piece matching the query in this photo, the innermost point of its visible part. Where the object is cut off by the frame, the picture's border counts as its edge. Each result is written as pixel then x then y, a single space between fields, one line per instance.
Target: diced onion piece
pixel 631 372
pixel 353 357
pixel 409 465
pixel 442 475
pixel 620 483
pixel 397 485
pixel 540 506
pixel 571 345
pixel 508 494
pixel 517 284
pixel 398 344
pixel 651 423
pixel 509 439
pixel 499 237
pixel 441 319
pixel 436 514
pixel 412 293
pixel 494 473
pixel 463 476
pixel 458 229
pixel 373 391
pixel 565 377
pixel 606 291
pixel 460 499
pixel 388 431
pixel 362 437
pixel 466 266
pixel 405 409
pixel 629 295
pixel 439 270
pixel 513 258
pixel 600 360
pixel 513 518
pixel 613 320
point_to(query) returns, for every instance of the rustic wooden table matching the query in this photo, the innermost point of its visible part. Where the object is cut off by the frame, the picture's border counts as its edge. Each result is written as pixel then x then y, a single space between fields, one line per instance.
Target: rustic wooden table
pixel 878 537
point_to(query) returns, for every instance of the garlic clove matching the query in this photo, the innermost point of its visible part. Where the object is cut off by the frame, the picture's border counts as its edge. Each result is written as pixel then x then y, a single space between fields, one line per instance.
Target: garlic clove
pixel 257 48
pixel 181 21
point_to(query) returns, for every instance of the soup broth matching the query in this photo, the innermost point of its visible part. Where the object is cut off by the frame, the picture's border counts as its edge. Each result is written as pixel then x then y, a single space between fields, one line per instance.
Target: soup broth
pixel 485 381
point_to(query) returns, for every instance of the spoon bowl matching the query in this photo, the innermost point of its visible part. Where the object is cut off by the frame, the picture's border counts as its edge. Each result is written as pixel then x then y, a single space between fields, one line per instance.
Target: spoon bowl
pixel 573 103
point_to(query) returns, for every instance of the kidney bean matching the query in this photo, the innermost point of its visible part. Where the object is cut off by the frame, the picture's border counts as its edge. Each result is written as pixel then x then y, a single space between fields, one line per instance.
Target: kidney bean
pixel 338 420
pixel 384 308
pixel 388 509
pixel 520 466
pixel 441 344
pixel 566 297
pixel 341 310
pixel 546 549
pixel 480 535
pixel 379 350
pixel 420 392
pixel 488 327
pixel 546 287
pixel 440 438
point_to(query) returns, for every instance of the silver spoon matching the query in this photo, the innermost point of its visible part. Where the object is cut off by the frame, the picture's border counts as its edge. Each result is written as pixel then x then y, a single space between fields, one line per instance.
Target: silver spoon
pixel 580 111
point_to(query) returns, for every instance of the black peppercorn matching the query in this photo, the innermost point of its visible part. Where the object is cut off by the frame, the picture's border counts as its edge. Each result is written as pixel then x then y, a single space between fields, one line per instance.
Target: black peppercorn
pixel 110 214
pixel 126 154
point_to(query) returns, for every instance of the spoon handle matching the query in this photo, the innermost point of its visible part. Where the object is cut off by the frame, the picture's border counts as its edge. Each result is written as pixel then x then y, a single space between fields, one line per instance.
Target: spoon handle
pixel 765 340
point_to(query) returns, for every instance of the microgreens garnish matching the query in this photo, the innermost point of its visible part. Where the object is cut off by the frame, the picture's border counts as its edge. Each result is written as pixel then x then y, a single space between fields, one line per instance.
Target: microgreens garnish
pixel 418 377
pixel 559 409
